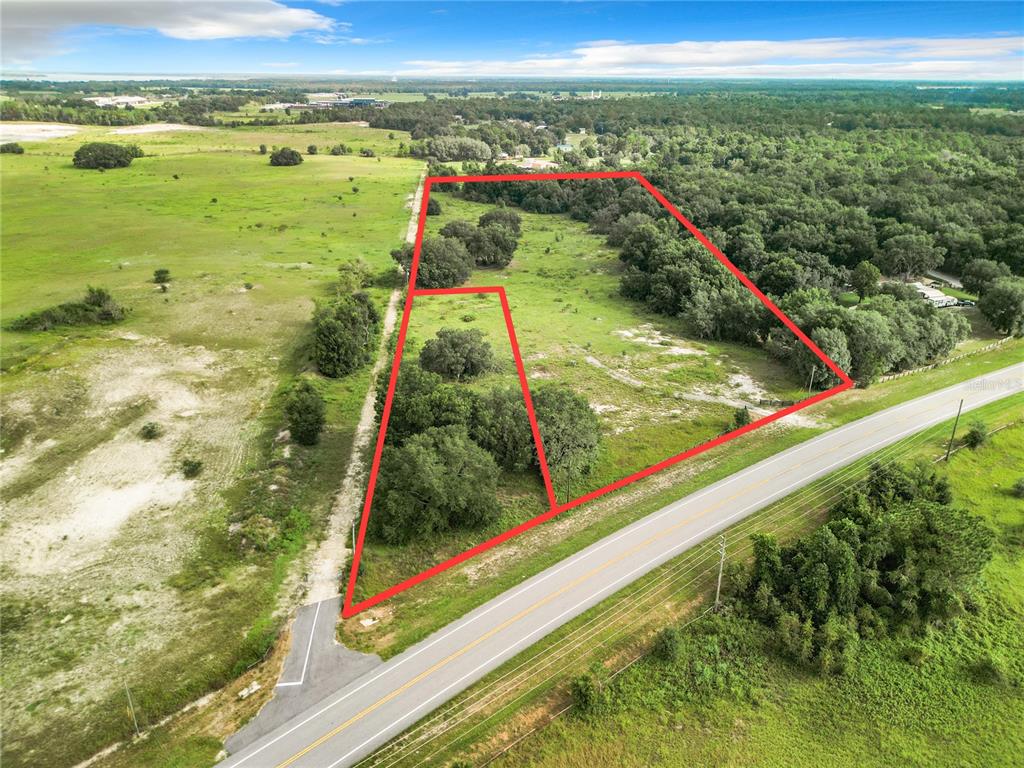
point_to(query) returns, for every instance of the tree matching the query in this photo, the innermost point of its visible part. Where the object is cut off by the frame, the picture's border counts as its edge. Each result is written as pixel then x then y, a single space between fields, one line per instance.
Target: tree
pixel 781 276
pixel 492 246
pixel 460 230
pixel 740 417
pixel 99 154
pixel 569 430
pixel 457 354
pixel 353 276
pixel 438 480
pixel 980 273
pixel 872 346
pixel 977 434
pixel 305 411
pixel 502 427
pixel 11 148
pixel 161 276
pixel 1002 304
pixel 311 149
pixel 864 279
pixel 285 156
pixel 345 334
pixel 909 254
pixel 433 207
pixel 503 216
pixel 444 262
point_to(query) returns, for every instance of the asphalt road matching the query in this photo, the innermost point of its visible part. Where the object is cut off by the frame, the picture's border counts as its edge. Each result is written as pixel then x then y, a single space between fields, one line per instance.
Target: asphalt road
pixel 366 713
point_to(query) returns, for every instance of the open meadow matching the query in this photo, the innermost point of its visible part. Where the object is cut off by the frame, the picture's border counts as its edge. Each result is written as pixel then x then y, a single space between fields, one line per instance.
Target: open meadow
pixel 635 368
pixel 119 569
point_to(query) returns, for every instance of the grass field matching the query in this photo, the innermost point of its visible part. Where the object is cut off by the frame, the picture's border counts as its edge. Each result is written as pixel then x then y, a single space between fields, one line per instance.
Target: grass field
pixel 657 392
pixel 412 615
pixel 751 708
pixel 118 570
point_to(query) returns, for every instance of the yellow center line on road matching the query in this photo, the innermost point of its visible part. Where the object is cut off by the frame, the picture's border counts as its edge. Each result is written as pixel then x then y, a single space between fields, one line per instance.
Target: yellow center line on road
pixel 576 582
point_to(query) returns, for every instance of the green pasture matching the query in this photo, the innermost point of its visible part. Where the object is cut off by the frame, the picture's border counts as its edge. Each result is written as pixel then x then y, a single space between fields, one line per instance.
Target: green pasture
pixel 250 247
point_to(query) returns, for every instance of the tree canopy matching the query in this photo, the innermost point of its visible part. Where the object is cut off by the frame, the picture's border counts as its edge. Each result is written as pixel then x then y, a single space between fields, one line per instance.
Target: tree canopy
pixel 345 334
pixel 285 156
pixel 101 154
pixel 436 481
pixel 457 354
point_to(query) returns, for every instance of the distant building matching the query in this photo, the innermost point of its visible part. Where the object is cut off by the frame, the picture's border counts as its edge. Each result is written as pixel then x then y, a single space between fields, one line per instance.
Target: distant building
pixel 934 296
pixel 119 101
pixel 564 147
pixel 536 164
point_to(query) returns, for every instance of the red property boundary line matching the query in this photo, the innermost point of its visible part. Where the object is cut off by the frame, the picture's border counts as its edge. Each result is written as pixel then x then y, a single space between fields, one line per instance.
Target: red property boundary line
pixel 348 608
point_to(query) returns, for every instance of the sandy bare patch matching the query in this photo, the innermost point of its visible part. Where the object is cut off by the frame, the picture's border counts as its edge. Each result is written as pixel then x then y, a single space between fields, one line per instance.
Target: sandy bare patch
pixel 91 549
pixel 649 336
pixel 35 131
pixel 616 373
pixel 133 130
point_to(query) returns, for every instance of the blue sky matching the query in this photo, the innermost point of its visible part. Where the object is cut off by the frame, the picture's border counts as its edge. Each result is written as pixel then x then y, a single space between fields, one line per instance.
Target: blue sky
pixel 908 40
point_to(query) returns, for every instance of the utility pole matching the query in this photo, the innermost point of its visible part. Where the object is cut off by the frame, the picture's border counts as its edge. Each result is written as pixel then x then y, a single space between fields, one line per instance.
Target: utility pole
pixel 131 708
pixel 721 566
pixel 810 386
pixel 949 447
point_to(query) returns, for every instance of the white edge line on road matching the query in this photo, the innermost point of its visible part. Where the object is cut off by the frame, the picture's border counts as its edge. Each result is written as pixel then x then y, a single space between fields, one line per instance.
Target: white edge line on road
pixel 614 586
pixel 309 647
pixel 607 541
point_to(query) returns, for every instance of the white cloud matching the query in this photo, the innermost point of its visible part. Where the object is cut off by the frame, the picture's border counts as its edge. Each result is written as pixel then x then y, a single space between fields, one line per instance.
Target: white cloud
pixel 968 58
pixel 32 29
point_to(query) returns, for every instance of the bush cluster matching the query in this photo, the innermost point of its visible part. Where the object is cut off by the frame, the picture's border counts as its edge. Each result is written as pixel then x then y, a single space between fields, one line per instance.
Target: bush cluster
pixel 103 155
pixel 893 554
pixel 96 307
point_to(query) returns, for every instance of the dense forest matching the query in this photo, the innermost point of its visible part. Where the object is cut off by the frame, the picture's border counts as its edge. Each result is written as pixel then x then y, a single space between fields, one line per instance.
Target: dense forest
pixel 813 197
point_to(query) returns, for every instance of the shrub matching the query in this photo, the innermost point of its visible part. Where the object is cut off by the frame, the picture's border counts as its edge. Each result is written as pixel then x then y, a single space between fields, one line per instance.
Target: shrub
pixel 433 207
pixel 150 431
pixel 457 354
pixel 97 306
pixel 977 435
pixel 988 670
pixel 1018 488
pixel 285 156
pixel 586 694
pixel 503 216
pixel 100 154
pixel 161 276
pixel 305 411
pixel 667 644
pixel 191 467
pixel 311 149
pixel 367 152
pixel 12 148
pixel 340 149
pixel 914 655
pixel 345 334
pixel 741 417
pixel 263 149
